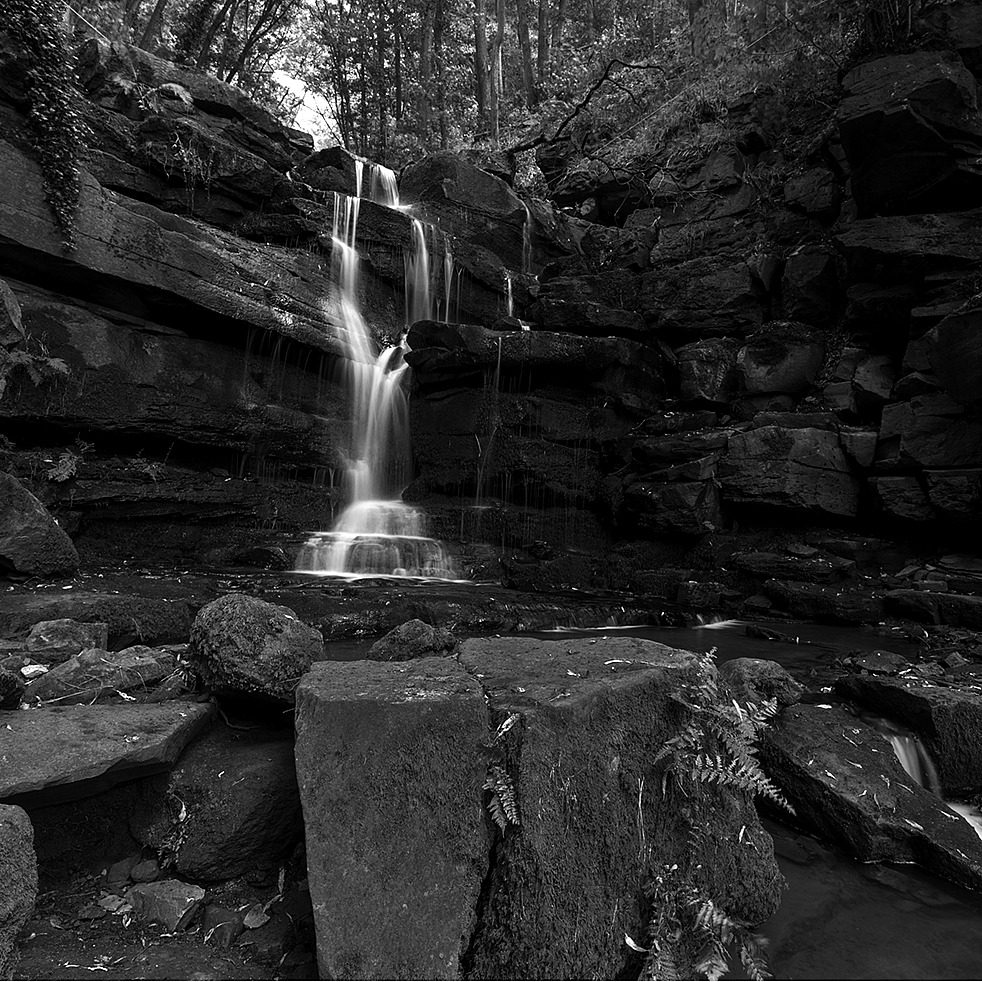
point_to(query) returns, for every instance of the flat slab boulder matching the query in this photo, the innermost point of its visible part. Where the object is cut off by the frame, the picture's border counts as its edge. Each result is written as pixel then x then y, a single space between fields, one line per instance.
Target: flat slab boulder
pixel 55 754
pixel 948 718
pixel 391 775
pixel 847 784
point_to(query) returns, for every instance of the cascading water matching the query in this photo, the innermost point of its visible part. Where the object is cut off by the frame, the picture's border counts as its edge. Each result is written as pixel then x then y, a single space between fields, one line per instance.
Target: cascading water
pixel 916 761
pixel 375 535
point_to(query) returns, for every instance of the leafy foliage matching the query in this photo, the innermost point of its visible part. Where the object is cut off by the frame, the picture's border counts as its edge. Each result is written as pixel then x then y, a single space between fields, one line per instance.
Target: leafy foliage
pixel 735 728
pixel 37 365
pixel 716 746
pixel 503 799
pixel 58 131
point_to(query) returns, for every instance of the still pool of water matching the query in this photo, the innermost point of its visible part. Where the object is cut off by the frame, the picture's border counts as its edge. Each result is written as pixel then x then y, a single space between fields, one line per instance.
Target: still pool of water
pixel 845 920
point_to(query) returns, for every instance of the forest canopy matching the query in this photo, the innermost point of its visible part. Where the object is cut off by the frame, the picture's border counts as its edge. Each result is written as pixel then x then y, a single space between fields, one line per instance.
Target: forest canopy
pixel 392 80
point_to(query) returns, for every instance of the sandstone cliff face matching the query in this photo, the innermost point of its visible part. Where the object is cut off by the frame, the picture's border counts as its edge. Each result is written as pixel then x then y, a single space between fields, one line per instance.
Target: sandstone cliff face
pixel 814 305
pixel 777 330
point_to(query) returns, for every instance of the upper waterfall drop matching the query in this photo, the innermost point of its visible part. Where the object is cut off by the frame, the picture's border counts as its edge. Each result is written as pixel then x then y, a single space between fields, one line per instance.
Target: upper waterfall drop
pixel 377 533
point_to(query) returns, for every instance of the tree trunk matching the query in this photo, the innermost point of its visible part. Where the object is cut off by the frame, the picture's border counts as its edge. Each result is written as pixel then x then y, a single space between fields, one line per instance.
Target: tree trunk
pixel 439 18
pixel 707 21
pixel 381 86
pixel 525 43
pixel 425 73
pixel 216 25
pixel 496 74
pixel 152 29
pixel 543 43
pixel 481 62
pixel 558 25
pixel 397 64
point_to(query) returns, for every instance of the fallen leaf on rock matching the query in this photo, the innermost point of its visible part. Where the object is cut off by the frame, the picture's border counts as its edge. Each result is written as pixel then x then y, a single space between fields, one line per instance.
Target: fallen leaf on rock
pixel 33 671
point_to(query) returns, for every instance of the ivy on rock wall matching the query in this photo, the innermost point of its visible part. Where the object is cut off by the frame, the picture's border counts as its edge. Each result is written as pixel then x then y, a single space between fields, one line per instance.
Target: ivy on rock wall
pixel 57 128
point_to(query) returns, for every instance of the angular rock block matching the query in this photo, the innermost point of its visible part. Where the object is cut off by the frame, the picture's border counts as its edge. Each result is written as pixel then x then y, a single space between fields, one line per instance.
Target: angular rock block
pixel 588 718
pixel 170 903
pixel 54 754
pixel 391 770
pixel 846 782
pixel 795 468
pixel 949 718
pixel 19 876
pixel 31 541
pixel 911 132
pixel 241 807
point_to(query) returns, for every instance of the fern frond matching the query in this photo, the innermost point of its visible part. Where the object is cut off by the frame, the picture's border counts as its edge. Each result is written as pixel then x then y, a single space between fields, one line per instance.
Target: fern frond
pixel 503 798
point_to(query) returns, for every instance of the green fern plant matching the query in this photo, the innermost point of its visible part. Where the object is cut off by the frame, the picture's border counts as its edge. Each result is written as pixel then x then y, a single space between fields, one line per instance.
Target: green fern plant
pixel 502 802
pixel 716 746
pixel 736 730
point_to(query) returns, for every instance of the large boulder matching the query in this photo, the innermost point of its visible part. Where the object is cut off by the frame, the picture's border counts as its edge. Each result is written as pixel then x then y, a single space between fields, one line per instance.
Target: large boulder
pixel 948 718
pixel 119 618
pixel 676 507
pixel 390 779
pixel 31 541
pixel 782 358
pixel 397 763
pixel 700 298
pixel 912 133
pixel 468 203
pixel 908 246
pixel 584 722
pixel 247 647
pixel 955 353
pixel 847 784
pixel 19 875
pixel 229 807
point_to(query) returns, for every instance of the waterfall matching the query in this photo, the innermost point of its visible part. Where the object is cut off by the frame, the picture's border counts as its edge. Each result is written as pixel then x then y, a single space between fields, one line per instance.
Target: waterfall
pixel 419 306
pixel 916 761
pixel 383 189
pixel 376 534
pixel 451 304
pixel 508 295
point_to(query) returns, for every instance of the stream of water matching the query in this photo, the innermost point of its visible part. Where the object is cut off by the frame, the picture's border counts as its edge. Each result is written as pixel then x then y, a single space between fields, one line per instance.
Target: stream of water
pixel 377 533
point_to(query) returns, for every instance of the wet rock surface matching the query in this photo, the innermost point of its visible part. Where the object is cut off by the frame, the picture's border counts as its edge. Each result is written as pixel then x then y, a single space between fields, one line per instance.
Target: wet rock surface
pixel 845 781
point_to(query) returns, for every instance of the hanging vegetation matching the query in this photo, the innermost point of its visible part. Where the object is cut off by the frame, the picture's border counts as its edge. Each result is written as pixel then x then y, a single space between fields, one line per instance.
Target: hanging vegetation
pixel 57 128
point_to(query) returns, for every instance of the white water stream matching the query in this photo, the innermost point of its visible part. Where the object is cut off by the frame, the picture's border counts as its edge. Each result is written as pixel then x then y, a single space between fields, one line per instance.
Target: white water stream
pixel 377 533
